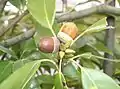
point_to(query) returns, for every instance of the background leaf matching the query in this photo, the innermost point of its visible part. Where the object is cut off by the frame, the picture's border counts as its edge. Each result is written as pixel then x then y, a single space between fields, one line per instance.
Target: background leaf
pixel 6 50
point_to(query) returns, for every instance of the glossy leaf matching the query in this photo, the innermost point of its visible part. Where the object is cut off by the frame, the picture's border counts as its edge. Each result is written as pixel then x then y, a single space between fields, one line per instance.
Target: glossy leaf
pixel 45 14
pixel 94 79
pixel 96 27
pixel 58 81
pixel 20 77
pixel 5 69
pixel 41 32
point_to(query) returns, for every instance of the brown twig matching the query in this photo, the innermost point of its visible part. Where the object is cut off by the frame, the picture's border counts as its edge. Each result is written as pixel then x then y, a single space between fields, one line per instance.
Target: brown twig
pixel 2 5
pixel 18 39
pixel 102 9
pixel 12 23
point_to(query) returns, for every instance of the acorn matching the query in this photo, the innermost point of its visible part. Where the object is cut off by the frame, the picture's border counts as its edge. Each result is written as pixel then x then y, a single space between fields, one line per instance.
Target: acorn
pixel 49 44
pixel 68 32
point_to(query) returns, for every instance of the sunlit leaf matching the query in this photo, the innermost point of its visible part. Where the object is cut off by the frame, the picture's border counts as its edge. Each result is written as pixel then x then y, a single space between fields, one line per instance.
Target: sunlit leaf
pixel 5 69
pixel 94 79
pixel 20 77
pixel 58 81
pixel 43 11
pixel 96 27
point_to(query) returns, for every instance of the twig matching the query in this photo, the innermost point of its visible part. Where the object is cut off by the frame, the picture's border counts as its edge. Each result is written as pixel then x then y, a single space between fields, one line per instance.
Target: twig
pixel 19 38
pixel 2 5
pixel 101 9
pixel 4 55
pixel 12 23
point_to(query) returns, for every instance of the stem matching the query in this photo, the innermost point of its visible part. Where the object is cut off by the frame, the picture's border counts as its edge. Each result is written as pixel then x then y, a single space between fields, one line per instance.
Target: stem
pixel 109 42
pixel 64 5
pixel 4 55
pixel 60 65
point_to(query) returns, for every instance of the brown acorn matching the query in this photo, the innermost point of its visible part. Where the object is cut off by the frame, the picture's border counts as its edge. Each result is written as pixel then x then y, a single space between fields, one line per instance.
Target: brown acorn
pixel 49 44
pixel 68 32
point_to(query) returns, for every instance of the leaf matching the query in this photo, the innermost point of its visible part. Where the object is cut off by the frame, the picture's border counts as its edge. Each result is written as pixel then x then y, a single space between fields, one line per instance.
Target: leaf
pixel 20 77
pixel 118 1
pixel 71 72
pixel 58 81
pixel 96 27
pixel 6 50
pixel 18 3
pixel 17 64
pixel 29 45
pixel 101 47
pixel 33 84
pixel 45 79
pixel 94 79
pixel 41 32
pixel 5 69
pixel 43 11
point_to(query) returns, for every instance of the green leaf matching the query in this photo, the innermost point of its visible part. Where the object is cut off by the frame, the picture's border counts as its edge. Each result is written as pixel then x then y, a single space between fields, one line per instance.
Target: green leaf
pixel 41 32
pixel 96 27
pixel 58 81
pixel 45 79
pixel 94 79
pixel 18 3
pixel 33 84
pixel 20 77
pixel 118 1
pixel 5 69
pixel 101 47
pixel 18 64
pixel 43 11
pixel 29 45
pixel 6 50
pixel 71 72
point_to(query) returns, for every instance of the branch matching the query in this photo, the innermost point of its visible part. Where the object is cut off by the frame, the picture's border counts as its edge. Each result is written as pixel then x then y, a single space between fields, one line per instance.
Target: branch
pixel 18 39
pixel 2 5
pixel 102 9
pixel 109 42
pixel 12 23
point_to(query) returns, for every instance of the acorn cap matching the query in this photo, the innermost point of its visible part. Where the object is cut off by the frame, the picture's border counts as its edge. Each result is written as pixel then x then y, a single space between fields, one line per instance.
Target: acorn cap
pixel 56 44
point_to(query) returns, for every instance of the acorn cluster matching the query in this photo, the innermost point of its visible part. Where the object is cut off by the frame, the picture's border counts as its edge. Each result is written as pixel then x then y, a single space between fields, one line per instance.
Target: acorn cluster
pixel 67 33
